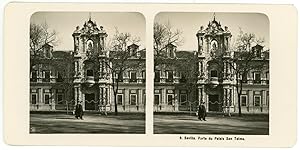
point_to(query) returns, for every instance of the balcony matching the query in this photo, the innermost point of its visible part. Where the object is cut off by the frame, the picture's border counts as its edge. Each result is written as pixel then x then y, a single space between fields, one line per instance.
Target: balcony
pixel 257 81
pixel 89 80
pixel 46 79
pixel 132 80
pixel 214 81
pixel 169 79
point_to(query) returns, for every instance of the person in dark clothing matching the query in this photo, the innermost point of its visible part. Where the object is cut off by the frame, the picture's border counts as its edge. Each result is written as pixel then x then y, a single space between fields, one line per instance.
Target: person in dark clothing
pixel 202 111
pixel 78 111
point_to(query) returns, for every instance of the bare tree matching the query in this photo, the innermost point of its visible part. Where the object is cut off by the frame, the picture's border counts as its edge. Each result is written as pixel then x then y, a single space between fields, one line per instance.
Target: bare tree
pixel 187 66
pixel 40 35
pixel 122 59
pixel 243 60
pixel 164 35
pixel 63 65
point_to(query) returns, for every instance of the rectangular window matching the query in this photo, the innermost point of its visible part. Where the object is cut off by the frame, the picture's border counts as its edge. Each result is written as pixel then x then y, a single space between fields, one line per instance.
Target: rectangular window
pixel 156 99
pixel 133 99
pixel 183 99
pixel 33 76
pixel 244 100
pixel 244 78
pixel 171 53
pixel 183 77
pixel 119 77
pixel 47 99
pixel 90 73
pixel 59 99
pixel 132 76
pixel 47 76
pixel 170 76
pixel 59 77
pixel 170 99
pixel 157 76
pixel 33 98
pixel 144 76
pixel 144 97
pixel 258 53
pixel 257 78
pixel 213 73
pixel 257 101
pixel 120 99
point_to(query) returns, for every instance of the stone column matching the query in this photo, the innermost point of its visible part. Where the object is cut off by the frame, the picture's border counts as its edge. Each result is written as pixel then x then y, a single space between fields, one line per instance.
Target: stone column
pixel 76 95
pixel 105 96
pixel 105 69
pixel 250 100
pixel 199 95
pixel 163 96
pixel 224 70
pixel 140 97
pixel 264 100
pixel 76 67
pixel 176 99
pixel 100 69
pixel 224 97
pixel 53 99
pixel 225 100
pixel 101 102
pixel 126 100
pixel 40 97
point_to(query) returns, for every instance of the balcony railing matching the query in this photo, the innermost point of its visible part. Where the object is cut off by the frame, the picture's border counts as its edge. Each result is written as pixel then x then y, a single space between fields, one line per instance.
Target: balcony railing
pixel 251 81
pixel 214 81
pixel 169 80
pixel 133 80
pixel 44 80
pixel 90 80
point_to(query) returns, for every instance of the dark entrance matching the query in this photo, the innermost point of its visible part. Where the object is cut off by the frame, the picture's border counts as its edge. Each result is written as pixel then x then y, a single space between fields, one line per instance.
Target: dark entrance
pixel 90 102
pixel 213 103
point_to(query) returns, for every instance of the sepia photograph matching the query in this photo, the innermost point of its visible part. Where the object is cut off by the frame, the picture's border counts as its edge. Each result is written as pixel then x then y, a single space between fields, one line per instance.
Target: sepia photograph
pixel 155 74
pixel 211 73
pixel 87 72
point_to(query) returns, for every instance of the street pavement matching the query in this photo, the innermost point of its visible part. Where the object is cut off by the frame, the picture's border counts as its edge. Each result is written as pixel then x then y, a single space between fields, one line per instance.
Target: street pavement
pixel 92 123
pixel 135 124
pixel 215 124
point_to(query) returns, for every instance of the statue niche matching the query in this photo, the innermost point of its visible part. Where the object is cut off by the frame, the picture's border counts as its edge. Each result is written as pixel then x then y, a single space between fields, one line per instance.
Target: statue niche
pixel 214 47
pixel 89 48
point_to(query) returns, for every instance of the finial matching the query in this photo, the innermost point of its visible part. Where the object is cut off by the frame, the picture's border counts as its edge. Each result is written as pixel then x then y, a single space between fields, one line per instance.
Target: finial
pixel 214 16
pixel 90 16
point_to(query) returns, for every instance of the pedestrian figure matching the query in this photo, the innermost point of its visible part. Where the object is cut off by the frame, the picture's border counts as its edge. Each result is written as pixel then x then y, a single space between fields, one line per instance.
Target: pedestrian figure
pixel 78 111
pixel 202 111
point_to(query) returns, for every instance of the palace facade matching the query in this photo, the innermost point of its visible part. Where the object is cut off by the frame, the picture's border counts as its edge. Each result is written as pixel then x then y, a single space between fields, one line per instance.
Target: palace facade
pixel 60 79
pixel 214 84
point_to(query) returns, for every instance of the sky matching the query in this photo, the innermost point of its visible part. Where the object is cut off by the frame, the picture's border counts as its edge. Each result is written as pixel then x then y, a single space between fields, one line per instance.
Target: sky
pixel 65 23
pixel 190 23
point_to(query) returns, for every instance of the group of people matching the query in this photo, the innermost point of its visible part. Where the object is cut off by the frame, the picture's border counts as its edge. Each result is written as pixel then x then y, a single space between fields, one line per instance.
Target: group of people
pixel 202 111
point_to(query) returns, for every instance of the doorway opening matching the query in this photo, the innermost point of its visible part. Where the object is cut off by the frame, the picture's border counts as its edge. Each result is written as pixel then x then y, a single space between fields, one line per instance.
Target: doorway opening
pixel 90 102
pixel 213 104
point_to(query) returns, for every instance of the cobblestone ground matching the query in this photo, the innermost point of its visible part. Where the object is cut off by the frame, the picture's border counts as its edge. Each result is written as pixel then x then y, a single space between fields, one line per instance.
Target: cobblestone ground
pixel 215 124
pixel 92 123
